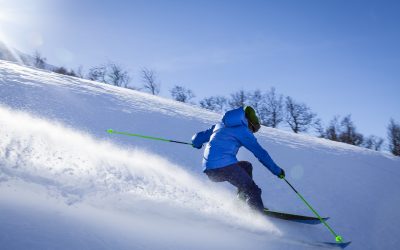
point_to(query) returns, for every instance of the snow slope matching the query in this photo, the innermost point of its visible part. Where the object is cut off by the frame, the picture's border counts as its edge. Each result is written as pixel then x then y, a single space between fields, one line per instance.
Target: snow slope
pixel 67 184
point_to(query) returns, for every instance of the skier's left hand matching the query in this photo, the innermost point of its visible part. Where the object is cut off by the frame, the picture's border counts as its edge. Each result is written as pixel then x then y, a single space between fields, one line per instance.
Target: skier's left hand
pixel 282 174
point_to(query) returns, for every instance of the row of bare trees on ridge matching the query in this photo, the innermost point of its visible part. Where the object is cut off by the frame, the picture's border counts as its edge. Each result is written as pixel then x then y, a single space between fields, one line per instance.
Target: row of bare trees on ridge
pixel 274 109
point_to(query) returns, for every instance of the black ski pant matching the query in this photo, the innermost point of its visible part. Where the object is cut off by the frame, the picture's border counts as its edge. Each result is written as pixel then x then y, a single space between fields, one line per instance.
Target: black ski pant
pixel 240 175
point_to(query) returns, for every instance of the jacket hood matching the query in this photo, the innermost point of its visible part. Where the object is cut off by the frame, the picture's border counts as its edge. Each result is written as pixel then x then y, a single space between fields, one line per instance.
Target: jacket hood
pixel 235 117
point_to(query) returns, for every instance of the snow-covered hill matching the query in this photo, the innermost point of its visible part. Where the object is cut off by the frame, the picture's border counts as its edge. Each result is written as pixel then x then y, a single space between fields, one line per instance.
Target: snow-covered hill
pixel 13 55
pixel 67 184
pixel 10 54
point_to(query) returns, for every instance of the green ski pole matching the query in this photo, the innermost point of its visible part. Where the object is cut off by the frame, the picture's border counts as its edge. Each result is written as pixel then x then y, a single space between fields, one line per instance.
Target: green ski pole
pixel 111 131
pixel 338 238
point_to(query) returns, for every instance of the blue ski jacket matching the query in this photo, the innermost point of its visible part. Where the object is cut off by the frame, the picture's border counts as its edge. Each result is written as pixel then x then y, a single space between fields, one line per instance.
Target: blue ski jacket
pixel 224 140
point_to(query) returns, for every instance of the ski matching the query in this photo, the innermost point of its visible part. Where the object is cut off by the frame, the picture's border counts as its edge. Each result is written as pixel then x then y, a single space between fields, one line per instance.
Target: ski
pixel 338 244
pixel 325 245
pixel 293 217
pixel 330 244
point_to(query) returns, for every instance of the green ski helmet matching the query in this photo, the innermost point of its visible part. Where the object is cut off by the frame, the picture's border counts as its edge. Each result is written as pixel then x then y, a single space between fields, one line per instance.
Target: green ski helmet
pixel 254 122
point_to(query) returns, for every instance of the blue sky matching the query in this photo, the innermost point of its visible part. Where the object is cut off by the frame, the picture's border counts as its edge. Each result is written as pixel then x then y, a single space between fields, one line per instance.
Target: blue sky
pixel 338 56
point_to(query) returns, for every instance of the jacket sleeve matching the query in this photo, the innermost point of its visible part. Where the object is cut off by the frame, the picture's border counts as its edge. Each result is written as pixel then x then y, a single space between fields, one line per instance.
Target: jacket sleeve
pixel 249 141
pixel 201 137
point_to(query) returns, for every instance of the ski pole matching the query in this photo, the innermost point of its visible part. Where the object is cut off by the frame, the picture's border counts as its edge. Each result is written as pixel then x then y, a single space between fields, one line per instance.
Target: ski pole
pixel 337 237
pixel 111 131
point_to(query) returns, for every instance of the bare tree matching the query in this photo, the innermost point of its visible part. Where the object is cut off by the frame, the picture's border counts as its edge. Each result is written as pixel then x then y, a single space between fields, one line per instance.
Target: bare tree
pixel 298 116
pixel 394 137
pixel 256 100
pixel 181 94
pixel 98 73
pixel 238 99
pixel 272 112
pixel 39 61
pixel 64 71
pixel 149 81
pixel 345 131
pixel 80 72
pixel 215 103
pixel 109 73
pixel 333 130
pixel 319 128
pixel 61 70
pixel 117 76
pixel 349 133
pixel 373 142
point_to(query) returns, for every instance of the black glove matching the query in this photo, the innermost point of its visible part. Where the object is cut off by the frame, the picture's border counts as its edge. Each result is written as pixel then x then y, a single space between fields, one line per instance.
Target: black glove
pixel 282 174
pixel 197 146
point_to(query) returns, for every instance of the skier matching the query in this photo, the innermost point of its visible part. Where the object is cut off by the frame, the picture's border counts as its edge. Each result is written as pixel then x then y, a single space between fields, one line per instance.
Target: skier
pixel 224 140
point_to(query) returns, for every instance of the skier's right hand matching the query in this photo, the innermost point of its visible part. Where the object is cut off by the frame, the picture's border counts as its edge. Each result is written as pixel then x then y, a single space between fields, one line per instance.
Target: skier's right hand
pixel 282 174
